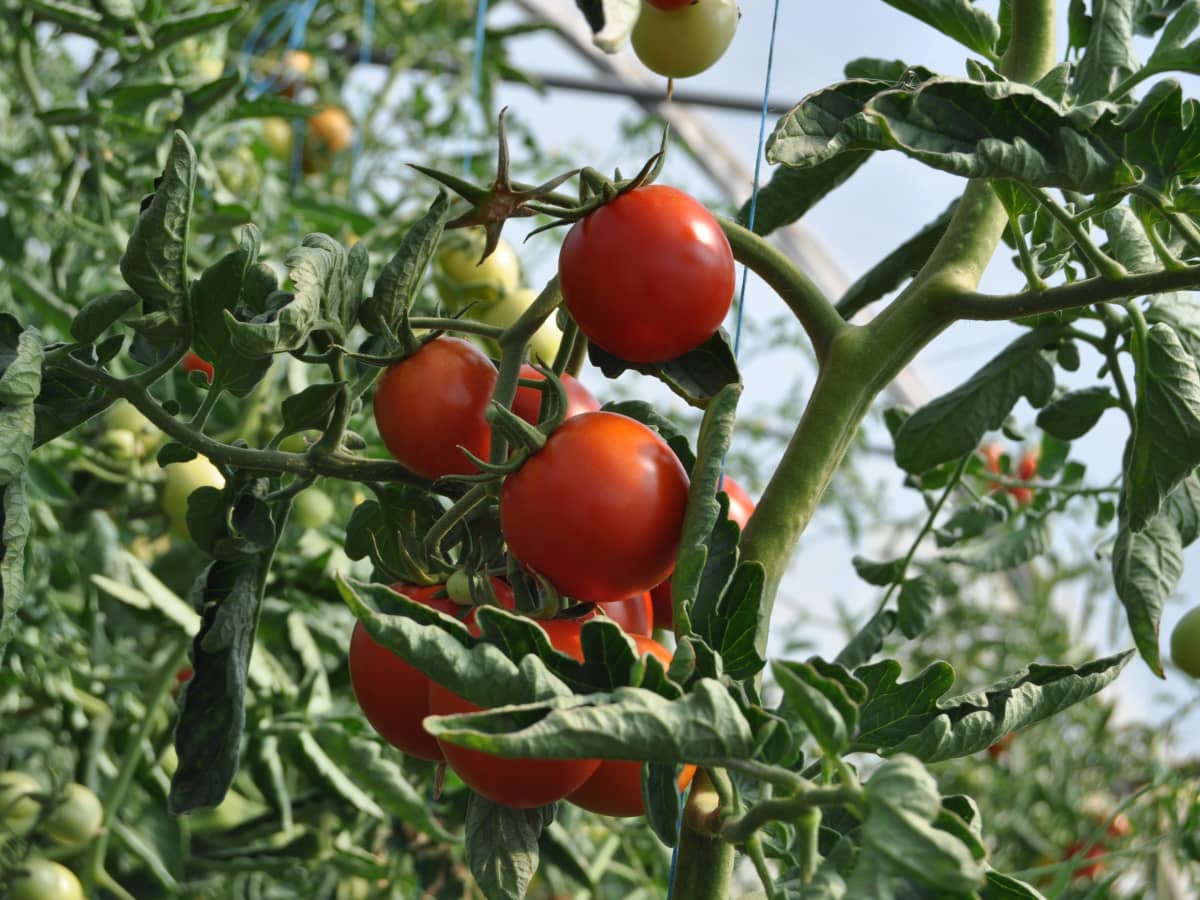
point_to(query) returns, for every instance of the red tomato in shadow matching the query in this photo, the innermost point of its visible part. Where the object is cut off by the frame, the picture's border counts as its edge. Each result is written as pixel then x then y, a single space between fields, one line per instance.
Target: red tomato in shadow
pixel 616 788
pixel 521 783
pixel 528 401
pixel 635 615
pixel 1096 853
pixel 194 362
pixel 393 695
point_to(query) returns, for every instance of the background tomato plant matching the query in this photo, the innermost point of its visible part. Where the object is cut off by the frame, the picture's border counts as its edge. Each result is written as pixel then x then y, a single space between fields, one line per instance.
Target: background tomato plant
pixel 319 806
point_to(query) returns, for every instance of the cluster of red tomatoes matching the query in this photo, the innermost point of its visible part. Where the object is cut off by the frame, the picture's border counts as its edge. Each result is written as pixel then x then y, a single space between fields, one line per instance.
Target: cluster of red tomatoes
pixel 597 511
pixel 993 457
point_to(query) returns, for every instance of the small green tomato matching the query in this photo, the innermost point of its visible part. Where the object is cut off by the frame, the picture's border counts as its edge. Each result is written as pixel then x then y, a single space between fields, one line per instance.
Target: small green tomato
pixel 18 807
pixel 1185 643
pixel 43 879
pixel 182 479
pixel 469 279
pixel 76 818
pixel 545 341
pixel 312 509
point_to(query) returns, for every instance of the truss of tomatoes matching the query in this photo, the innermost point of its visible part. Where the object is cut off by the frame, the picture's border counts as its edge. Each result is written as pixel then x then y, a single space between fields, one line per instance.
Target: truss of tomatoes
pixel 597 510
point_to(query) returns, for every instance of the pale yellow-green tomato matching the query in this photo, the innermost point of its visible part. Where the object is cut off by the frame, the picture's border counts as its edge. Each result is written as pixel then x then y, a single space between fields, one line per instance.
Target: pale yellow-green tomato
pixel 469 279
pixel 277 133
pixel 545 341
pixel 124 416
pixel 354 887
pixel 229 813
pixel 121 444
pixel 240 173
pixel 682 42
pixel 1185 643
pixel 43 879
pixel 312 509
pixel 18 808
pixel 210 69
pixel 76 818
pixel 297 443
pixel 182 479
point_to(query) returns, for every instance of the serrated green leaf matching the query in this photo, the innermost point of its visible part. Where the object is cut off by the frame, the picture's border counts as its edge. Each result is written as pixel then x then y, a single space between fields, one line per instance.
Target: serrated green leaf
pixel 1004 551
pixel 502 846
pixel 100 312
pixel 915 605
pixel 1127 240
pixel 696 377
pixel 910 718
pixel 703 725
pixel 14 535
pixel 1165 445
pixel 1074 414
pixel 1182 509
pixel 339 781
pixel 868 640
pixel 818 703
pixel 880 574
pixel 954 424
pixel 1005 887
pixel 1110 56
pixel 792 192
pixel 899 838
pixel 401 278
pixel 958 19
pixel 1182 313
pixel 1147 566
pixel 178 27
pixel 155 261
pixel 311 408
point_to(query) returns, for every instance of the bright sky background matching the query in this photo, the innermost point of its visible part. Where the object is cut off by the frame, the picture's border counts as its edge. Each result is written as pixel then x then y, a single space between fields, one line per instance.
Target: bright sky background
pixel 881 206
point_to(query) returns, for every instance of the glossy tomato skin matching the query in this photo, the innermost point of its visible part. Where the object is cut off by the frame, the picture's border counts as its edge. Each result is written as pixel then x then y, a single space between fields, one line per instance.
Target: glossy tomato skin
pixel 528 401
pixel 599 509
pixel 44 879
pixel 686 40
pixel 194 362
pixel 635 615
pixel 741 505
pixel 616 788
pixel 1185 643
pixel 393 695
pixel 433 402
pixel 521 783
pixel 648 276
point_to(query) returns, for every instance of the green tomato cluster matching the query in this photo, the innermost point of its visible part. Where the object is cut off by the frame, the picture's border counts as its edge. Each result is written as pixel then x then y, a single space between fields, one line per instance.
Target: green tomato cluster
pixel 70 821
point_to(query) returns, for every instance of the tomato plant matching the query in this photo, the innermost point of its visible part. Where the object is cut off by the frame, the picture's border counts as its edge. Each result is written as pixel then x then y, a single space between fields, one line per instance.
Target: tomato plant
pixel 434 402
pixel 618 534
pixel 649 275
pixel 616 787
pixel 520 783
pixel 182 479
pixel 528 401
pixel 680 39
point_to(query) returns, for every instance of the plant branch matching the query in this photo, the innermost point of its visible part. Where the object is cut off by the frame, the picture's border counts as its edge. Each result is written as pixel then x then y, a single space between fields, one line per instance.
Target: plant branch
pixel 999 307
pixel 737 830
pixel 814 311
pixel 1105 264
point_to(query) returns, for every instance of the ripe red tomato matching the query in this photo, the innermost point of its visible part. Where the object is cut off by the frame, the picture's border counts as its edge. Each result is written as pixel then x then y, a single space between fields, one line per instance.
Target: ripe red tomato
pixel 1094 852
pixel 393 695
pixel 1028 465
pixel 648 276
pixel 193 362
pixel 326 135
pixel 740 508
pixel 635 615
pixel 598 510
pixel 434 402
pixel 523 783
pixel 616 788
pixel 998 749
pixel 528 401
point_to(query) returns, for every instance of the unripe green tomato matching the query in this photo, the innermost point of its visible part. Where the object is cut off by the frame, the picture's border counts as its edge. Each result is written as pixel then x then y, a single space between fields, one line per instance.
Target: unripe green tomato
pixel 682 42
pixel 294 443
pixel 123 415
pixel 42 879
pixel 18 809
pixel 229 813
pixel 277 134
pixel 486 283
pixel 354 887
pixel 240 173
pixel 312 508
pixel 120 444
pixel 77 817
pixel 182 479
pixel 1185 643
pixel 545 341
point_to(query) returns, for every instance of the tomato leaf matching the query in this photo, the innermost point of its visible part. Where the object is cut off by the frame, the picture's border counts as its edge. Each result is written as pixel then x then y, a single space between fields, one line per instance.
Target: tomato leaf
pixel 178 27
pixel 954 424
pixel 1147 565
pixel 1127 241
pixel 899 838
pixel 502 846
pixel 611 21
pixel 341 783
pixel 1182 313
pixel 557 849
pixel 660 797
pixel 311 408
pixel 155 260
pixel 1074 414
pixel 1182 508
pixel 1007 550
pixel 880 574
pixel 961 20
pixel 208 735
pixel 818 702
pixel 232 284
pixel 697 376
pixel 398 283
pixel 915 604
pixel 1005 887
pixel 1109 57
pixel 100 312
pixel 792 192
pixel 1165 446
pixel 704 725
pixel 868 640
pixel 909 717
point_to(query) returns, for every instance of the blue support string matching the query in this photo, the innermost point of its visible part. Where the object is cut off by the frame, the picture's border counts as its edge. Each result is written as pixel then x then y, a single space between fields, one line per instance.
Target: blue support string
pixel 476 70
pixel 737 334
pixel 364 57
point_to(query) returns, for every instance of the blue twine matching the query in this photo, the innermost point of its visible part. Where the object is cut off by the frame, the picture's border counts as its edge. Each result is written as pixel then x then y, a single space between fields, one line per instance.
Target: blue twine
pixel 737 334
pixel 476 70
pixel 286 16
